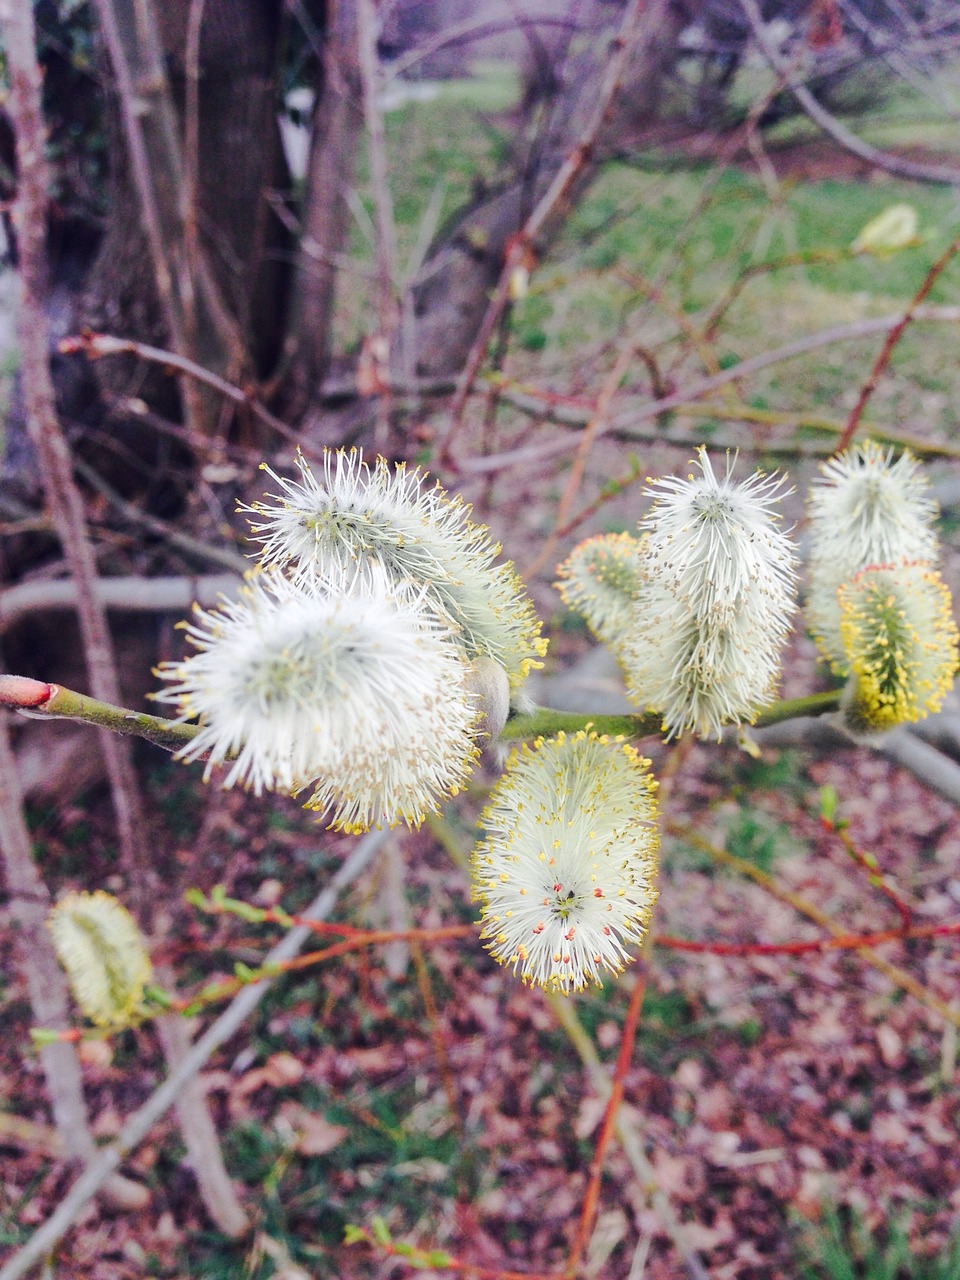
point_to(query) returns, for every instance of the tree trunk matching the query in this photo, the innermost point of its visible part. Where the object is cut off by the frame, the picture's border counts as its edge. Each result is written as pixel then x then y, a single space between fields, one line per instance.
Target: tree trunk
pixel 335 138
pixel 235 320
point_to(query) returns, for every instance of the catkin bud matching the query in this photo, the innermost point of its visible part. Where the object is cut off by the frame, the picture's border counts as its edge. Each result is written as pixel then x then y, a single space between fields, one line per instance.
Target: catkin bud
pixel 98 943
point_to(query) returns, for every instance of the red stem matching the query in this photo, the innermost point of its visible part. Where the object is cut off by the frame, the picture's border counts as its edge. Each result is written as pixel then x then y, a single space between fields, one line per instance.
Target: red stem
pixel 893 337
pixel 592 1196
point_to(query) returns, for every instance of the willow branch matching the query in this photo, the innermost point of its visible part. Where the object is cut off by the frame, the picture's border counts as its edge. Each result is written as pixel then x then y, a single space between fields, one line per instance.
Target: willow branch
pixel 544 721
pixel 627 1135
pixel 576 415
pixel 30 213
pixel 892 338
pixel 95 345
pixel 558 191
pixel 52 701
pixel 165 1095
pixel 43 700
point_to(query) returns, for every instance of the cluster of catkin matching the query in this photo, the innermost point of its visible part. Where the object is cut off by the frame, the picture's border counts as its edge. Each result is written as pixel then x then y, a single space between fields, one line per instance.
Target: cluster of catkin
pixel 378 640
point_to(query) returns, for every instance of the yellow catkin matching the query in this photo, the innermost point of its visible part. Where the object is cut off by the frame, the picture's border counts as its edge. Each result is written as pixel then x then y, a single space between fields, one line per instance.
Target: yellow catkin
pixel 99 945
pixel 900 642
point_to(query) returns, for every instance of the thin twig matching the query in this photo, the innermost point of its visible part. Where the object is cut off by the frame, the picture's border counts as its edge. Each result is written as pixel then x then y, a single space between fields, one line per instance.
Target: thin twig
pixel 199 321
pixel 891 340
pixel 182 541
pixel 388 312
pixel 598 421
pixel 646 410
pixel 630 1141
pixel 628 1035
pixel 564 179
pixel 95 345
pixel 899 165
pixel 474 29
pixel 191 133
pixel 899 977
pixel 137 1126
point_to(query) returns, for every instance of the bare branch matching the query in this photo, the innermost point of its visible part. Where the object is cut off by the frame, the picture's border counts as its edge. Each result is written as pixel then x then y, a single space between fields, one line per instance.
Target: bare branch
pixel 63 497
pixel 131 595
pixel 199 321
pixel 903 168
pixel 165 1095
pixel 892 338
pixel 654 408
pixel 386 241
pixel 557 192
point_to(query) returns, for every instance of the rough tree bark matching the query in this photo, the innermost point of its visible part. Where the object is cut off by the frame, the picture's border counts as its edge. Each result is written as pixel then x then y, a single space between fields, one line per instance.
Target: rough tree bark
pixel 235 323
pixel 337 125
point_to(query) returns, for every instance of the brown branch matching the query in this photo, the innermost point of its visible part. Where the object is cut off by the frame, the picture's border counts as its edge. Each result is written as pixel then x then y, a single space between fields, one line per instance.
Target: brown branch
pixel 62 495
pixel 475 29
pixel 197 316
pixel 899 165
pixel 66 505
pixel 388 311
pixel 598 422
pixel 138 1125
pixel 646 410
pixel 558 191
pixel 96 345
pixel 891 340
pixel 591 1196
pixel 191 133
pixel 334 145
pixel 185 542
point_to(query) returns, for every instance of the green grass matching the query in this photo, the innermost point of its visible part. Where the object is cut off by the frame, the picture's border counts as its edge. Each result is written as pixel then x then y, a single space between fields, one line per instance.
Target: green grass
pixel 392 1165
pixel 843 1249
pixel 630 222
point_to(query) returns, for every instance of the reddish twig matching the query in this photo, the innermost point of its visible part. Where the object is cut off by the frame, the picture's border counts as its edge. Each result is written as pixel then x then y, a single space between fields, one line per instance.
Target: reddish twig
pixel 65 502
pixel 900 977
pixel 869 864
pixel 842 942
pixel 96 345
pixel 520 246
pixel 891 340
pixel 592 1195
